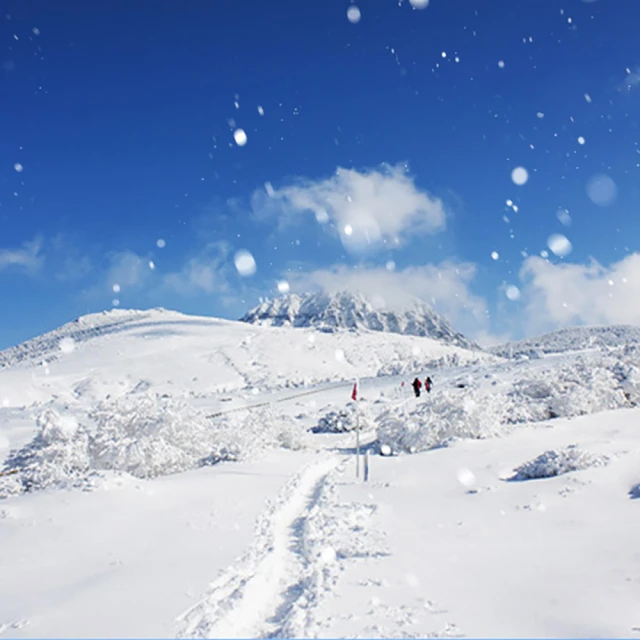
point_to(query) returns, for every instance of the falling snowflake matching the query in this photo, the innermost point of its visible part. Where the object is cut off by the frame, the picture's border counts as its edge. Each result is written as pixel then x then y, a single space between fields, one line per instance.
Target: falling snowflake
pixel 160 243
pixel 18 167
pixel 116 288
pixel 353 14
pixel 260 110
pixel 283 286
pixel 245 263
pixel 540 115
pixel 559 244
pixel 581 140
pixel 602 190
pixel 520 176
pixel 512 292
pixel 328 555
pixel 322 216
pixel 67 345
pixel 412 580
pixel 240 137
pixel 390 266
pixel 564 217
pixel 348 230
pixel 466 477
pixel 419 4
pixel 151 264
pixel 501 64
pixel 495 255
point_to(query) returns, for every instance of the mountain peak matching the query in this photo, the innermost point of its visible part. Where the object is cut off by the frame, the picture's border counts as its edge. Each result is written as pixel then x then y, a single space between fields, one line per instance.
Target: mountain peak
pixel 343 310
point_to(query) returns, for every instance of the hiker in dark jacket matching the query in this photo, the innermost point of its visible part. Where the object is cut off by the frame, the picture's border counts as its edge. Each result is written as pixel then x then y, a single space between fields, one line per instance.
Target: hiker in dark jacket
pixel 428 383
pixel 416 384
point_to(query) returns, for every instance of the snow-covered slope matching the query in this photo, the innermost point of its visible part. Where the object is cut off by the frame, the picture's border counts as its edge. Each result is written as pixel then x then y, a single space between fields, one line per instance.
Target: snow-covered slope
pixel 571 339
pixel 120 352
pixel 227 514
pixel 351 311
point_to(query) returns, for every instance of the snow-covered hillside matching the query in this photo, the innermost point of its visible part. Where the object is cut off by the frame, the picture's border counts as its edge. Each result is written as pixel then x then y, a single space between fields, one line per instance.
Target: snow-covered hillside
pixel 570 339
pixel 208 467
pixel 115 353
pixel 352 311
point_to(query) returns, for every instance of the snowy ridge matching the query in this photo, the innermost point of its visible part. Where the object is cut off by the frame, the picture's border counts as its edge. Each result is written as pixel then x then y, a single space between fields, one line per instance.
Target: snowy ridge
pixel 571 339
pixel 47 346
pixel 352 311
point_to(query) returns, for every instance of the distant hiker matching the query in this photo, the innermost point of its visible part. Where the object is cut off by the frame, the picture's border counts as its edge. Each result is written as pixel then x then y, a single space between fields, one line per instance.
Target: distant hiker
pixel 416 384
pixel 428 384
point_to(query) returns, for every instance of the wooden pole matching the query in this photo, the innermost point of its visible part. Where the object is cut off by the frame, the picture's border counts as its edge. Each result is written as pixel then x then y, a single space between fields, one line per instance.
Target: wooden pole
pixel 358 438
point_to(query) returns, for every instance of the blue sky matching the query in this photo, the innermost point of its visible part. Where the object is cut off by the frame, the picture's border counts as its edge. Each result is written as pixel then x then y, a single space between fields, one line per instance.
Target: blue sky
pixel 379 157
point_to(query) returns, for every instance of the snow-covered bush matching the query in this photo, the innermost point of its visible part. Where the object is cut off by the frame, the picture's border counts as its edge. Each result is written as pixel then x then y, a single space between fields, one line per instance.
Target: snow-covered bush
pixel 58 456
pixel 144 435
pixel 345 419
pixel 245 434
pixel 529 401
pixel 437 422
pixel 290 435
pixel 150 436
pixel 587 386
pixel 337 420
pixel 554 463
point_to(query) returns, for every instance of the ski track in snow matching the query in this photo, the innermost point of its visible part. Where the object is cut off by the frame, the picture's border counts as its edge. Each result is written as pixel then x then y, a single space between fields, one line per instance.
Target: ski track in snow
pixel 266 592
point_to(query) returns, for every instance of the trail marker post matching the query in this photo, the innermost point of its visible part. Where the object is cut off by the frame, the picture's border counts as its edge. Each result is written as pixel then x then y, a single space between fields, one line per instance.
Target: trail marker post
pixel 354 397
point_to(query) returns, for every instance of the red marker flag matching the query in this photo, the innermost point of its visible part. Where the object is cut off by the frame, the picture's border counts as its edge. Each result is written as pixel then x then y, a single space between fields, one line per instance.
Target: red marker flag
pixel 354 393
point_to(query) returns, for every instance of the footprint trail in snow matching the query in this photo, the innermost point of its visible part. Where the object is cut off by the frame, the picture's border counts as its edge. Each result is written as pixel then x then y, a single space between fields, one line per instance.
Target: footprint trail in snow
pixel 270 588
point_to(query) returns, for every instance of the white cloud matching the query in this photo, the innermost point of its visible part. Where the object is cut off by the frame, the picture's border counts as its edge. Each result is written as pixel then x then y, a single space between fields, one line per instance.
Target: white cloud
pixel 69 263
pixel 206 272
pixel 29 257
pixel 446 287
pixel 127 269
pixel 377 205
pixel 567 293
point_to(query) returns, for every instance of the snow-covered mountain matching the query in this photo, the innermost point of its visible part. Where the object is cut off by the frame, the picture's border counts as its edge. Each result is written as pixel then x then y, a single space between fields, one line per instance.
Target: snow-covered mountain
pixel 571 339
pixel 118 352
pixel 345 310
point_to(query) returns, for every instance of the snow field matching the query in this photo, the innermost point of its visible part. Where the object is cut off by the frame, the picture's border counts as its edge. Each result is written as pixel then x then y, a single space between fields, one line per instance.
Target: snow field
pixel 517 515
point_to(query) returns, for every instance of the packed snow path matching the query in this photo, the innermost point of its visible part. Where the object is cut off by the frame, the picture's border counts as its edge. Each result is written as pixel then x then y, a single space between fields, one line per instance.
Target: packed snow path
pixel 263 594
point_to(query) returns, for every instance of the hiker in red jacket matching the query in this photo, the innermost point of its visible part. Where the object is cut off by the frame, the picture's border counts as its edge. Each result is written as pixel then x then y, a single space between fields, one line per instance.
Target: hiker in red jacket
pixel 427 384
pixel 416 384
